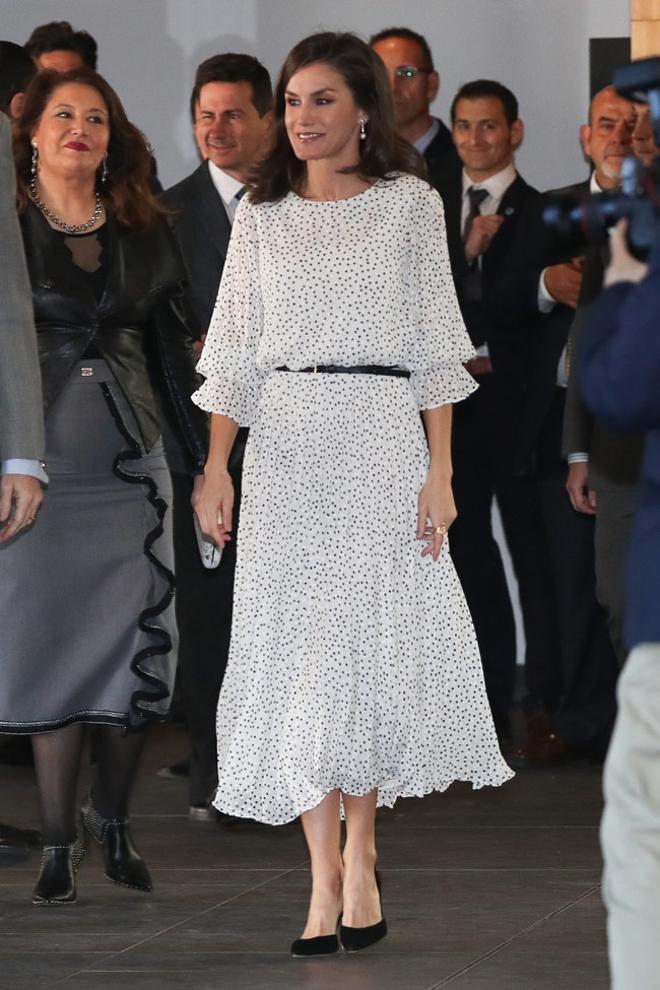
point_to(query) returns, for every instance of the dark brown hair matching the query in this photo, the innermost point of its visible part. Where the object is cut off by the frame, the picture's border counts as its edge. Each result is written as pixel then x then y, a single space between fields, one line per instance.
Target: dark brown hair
pixel 234 68
pixel 17 70
pixel 126 193
pixel 485 89
pixel 59 36
pixel 409 35
pixel 381 154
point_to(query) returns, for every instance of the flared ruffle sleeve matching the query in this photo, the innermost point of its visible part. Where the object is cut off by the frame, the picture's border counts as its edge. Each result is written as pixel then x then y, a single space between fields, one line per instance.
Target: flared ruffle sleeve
pixel 229 360
pixel 441 342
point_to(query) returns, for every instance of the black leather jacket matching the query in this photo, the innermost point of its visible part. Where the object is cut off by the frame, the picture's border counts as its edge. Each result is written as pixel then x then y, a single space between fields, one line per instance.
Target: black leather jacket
pixel 139 326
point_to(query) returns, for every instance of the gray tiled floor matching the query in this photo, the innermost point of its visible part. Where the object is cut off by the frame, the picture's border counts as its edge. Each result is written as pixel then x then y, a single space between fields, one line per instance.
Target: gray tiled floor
pixel 484 890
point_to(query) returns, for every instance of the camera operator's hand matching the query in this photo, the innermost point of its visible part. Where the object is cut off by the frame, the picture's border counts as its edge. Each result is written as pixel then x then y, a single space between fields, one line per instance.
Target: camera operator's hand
pixel 563 282
pixel 481 234
pixel 622 267
pixel 583 499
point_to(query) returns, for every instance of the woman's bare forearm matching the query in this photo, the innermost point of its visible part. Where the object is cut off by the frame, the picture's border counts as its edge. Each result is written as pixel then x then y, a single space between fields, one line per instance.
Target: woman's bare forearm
pixel 223 434
pixel 438 432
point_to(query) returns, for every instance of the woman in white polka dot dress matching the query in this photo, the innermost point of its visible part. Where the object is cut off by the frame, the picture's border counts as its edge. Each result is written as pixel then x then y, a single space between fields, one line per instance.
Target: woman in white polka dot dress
pixel 354 675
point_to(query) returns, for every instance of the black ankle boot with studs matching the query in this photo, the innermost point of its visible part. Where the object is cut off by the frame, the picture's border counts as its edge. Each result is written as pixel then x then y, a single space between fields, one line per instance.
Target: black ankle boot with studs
pixel 57 878
pixel 123 863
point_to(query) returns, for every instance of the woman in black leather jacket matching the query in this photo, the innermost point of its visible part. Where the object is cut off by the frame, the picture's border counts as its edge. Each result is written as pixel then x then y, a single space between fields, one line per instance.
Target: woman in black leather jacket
pixel 86 594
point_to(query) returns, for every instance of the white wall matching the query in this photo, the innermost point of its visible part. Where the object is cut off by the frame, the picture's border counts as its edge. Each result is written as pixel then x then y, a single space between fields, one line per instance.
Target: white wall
pixel 149 50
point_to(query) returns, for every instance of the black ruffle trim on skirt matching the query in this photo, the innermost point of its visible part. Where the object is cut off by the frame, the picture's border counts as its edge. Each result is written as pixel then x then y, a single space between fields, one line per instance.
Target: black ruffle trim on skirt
pixel 142 702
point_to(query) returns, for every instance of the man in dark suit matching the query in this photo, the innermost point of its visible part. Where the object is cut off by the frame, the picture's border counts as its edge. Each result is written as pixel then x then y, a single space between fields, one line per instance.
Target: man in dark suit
pixel 585 662
pixel 415 84
pixel 486 206
pixel 232 118
pixel 603 465
pixel 620 370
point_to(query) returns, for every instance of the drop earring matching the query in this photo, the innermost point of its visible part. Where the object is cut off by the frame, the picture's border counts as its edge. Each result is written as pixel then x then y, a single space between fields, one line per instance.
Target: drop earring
pixel 363 130
pixel 35 161
pixel 104 171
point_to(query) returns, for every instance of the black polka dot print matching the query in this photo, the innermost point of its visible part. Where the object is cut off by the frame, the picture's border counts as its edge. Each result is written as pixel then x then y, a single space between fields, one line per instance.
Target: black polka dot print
pixel 353 661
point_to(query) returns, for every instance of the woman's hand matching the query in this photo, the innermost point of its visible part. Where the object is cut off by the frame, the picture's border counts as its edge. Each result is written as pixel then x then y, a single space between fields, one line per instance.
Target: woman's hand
pixel 213 502
pixel 20 497
pixel 436 513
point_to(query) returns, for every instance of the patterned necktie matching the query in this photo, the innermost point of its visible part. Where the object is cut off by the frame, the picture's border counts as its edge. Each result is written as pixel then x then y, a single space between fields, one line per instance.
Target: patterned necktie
pixel 475 198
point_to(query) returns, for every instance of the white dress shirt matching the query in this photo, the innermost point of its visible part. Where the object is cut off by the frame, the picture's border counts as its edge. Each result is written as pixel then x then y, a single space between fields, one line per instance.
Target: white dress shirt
pixel 546 305
pixel 495 186
pixel 20 465
pixel 546 301
pixel 227 187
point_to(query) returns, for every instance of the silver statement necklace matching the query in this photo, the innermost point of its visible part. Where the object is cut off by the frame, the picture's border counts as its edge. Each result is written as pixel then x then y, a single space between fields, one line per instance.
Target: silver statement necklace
pixel 68 228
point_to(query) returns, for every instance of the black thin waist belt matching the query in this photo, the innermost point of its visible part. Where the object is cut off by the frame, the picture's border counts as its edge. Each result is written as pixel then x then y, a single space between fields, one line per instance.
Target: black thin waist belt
pixel 360 369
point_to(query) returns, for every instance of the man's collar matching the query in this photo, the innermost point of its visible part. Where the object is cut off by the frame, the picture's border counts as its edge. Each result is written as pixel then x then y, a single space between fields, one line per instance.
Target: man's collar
pixel 496 185
pixel 226 185
pixel 424 141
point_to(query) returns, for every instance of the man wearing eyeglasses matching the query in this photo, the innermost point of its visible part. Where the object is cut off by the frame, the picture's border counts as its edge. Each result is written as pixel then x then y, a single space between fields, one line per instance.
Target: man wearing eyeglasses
pixel 415 84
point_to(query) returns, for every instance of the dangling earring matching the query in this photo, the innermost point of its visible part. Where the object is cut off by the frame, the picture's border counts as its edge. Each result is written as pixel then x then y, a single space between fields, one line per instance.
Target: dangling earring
pixel 104 171
pixel 35 161
pixel 363 130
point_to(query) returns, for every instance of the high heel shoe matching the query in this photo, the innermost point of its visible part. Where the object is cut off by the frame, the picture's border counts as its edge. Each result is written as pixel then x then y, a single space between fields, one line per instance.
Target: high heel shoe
pixel 354 939
pixel 123 863
pixel 57 878
pixel 320 945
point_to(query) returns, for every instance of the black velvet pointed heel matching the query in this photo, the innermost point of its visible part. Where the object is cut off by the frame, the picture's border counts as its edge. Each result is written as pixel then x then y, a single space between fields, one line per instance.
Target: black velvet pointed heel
pixel 320 945
pixel 355 939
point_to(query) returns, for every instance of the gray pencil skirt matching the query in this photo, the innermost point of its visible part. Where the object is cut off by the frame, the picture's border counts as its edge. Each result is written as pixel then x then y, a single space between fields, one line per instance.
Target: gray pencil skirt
pixel 87 629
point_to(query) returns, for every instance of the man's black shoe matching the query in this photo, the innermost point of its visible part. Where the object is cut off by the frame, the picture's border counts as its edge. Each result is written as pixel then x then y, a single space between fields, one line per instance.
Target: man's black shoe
pixel 16 751
pixel 177 771
pixel 16 843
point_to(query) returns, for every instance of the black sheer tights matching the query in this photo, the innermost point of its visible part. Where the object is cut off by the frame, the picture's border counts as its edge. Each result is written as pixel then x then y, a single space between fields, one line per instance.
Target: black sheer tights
pixel 57 758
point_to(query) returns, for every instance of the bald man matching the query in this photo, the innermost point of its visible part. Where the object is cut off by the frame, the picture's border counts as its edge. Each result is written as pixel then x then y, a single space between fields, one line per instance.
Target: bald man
pixel 604 466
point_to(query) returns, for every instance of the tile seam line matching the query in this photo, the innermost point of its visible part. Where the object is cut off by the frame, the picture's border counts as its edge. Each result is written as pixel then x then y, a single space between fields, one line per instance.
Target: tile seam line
pixel 171 928
pixel 514 938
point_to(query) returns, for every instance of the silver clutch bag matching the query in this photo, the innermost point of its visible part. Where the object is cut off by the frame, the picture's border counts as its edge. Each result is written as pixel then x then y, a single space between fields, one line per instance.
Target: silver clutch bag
pixel 209 553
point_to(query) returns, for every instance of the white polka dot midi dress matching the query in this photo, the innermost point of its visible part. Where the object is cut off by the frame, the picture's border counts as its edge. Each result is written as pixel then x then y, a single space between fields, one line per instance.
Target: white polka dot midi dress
pixel 353 661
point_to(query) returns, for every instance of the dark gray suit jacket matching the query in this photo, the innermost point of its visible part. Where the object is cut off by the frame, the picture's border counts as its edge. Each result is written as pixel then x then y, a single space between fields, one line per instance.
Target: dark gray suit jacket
pixel 202 230
pixel 615 458
pixel 21 408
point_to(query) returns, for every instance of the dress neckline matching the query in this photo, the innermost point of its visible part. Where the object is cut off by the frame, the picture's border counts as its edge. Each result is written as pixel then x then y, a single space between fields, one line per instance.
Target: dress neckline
pixel 344 199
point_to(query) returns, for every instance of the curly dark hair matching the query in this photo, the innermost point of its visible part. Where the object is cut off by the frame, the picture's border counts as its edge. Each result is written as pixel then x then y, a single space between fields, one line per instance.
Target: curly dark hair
pixel 126 193
pixel 381 154
pixel 59 36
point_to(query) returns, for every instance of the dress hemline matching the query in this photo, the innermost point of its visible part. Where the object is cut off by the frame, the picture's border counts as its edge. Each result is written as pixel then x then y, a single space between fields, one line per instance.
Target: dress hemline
pixel 386 797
